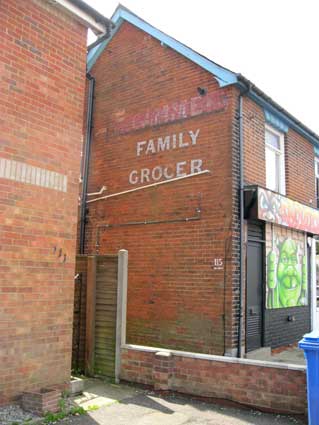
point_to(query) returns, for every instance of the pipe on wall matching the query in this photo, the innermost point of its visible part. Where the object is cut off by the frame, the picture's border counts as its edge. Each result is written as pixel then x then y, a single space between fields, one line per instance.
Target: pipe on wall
pixel 104 226
pixel 241 222
pixel 86 159
pixel 125 192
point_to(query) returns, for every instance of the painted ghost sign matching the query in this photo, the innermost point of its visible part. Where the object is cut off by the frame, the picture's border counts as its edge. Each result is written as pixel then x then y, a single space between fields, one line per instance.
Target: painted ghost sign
pixel 175 111
pixel 278 209
pixel 167 143
pixel 287 283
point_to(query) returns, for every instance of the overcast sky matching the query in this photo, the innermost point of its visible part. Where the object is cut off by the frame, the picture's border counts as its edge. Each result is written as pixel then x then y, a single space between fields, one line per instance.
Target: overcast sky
pixel 274 43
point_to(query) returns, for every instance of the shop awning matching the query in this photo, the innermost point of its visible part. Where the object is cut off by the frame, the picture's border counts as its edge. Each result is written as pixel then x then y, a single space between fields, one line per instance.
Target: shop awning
pixel 263 204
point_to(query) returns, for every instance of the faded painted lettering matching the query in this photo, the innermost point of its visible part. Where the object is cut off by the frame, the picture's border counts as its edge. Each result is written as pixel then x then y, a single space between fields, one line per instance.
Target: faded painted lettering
pixel 194 136
pixel 180 110
pixel 152 175
pixel 182 140
pixel 166 143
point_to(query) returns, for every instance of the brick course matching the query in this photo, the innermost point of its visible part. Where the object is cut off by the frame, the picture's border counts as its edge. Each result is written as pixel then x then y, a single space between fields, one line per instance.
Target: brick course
pixel 41 402
pixel 269 387
pixel 254 145
pixel 174 292
pixel 42 68
pixel 300 170
pixel 146 91
pixel 299 157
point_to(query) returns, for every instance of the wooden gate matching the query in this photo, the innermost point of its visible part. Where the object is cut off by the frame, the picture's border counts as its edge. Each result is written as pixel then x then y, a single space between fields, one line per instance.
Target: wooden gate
pixel 99 313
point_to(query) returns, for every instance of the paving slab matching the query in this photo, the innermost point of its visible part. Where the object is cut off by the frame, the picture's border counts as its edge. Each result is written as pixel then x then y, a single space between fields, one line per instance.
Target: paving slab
pixel 98 393
pixel 128 405
pixel 292 355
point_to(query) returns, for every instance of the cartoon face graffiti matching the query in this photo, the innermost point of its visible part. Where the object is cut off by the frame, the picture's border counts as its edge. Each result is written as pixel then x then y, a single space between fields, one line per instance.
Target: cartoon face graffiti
pixel 288 275
pixel 287 287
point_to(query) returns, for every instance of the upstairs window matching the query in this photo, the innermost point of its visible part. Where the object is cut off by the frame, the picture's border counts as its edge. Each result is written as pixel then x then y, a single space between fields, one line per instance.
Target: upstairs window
pixel 317 181
pixel 275 160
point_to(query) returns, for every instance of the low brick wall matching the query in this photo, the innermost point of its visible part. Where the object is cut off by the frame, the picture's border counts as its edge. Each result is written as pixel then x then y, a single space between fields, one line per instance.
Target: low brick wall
pixel 42 401
pixel 266 386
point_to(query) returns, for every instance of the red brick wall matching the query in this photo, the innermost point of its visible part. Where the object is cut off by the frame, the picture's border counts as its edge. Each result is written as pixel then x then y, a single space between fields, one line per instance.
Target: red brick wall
pixel 232 302
pixel 254 143
pixel 42 68
pixel 145 91
pixel 267 387
pixel 300 172
pixel 299 157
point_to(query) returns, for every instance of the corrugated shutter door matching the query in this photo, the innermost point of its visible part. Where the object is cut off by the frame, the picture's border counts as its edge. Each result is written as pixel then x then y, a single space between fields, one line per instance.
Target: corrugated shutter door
pixel 255 285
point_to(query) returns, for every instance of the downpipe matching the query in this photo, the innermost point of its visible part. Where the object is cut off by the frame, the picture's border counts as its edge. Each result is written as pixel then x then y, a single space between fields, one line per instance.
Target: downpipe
pixel 88 139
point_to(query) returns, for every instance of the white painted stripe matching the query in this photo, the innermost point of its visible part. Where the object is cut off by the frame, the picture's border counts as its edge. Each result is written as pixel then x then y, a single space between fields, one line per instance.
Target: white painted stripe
pixel 1 167
pixel 25 173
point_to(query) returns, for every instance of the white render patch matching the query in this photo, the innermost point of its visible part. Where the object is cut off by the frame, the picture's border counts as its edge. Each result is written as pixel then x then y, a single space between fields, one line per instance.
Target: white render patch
pixel 25 173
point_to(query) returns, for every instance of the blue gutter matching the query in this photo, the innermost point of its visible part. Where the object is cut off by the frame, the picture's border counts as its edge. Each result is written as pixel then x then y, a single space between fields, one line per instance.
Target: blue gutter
pixel 95 53
pixel 290 123
pixel 223 76
pixel 268 104
pixel 279 116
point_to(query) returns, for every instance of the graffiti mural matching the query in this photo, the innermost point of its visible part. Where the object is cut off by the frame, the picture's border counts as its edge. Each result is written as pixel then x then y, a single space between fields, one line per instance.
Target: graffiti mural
pixel 287 280
pixel 278 209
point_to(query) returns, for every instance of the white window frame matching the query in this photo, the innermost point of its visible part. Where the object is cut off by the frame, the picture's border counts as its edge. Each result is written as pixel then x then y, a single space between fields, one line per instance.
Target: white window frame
pixel 282 173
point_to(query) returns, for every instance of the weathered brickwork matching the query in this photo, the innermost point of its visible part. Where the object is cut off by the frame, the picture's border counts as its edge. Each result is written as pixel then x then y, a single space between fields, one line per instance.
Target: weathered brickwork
pixel 232 304
pixel 42 69
pixel 146 91
pixel 300 172
pixel 41 402
pixel 299 157
pixel 254 145
pixel 300 186
pixel 268 387
pixel 152 124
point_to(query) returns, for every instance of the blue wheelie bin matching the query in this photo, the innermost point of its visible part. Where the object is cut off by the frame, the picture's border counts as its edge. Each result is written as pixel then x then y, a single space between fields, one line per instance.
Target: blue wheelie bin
pixel 310 345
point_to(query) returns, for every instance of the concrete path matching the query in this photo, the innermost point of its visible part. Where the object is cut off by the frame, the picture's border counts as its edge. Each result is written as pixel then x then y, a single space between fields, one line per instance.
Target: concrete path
pixel 126 405
pixel 290 355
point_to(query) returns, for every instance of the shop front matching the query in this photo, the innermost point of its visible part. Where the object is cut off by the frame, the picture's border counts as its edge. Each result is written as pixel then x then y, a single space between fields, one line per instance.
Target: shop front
pixel 282 271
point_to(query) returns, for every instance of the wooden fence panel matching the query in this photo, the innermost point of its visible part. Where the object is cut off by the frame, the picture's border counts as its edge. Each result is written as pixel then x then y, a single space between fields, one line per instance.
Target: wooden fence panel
pixel 90 314
pixel 105 315
pixel 95 315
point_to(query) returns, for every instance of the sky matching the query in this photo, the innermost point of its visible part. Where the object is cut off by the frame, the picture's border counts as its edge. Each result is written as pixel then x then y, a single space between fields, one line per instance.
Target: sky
pixel 273 43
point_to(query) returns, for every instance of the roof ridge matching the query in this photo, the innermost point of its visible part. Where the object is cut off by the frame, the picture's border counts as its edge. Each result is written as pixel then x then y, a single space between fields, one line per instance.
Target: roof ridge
pixel 223 75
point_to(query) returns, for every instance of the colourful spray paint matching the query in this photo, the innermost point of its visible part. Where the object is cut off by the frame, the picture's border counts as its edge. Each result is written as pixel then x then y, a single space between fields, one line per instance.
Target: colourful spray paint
pixel 287 282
